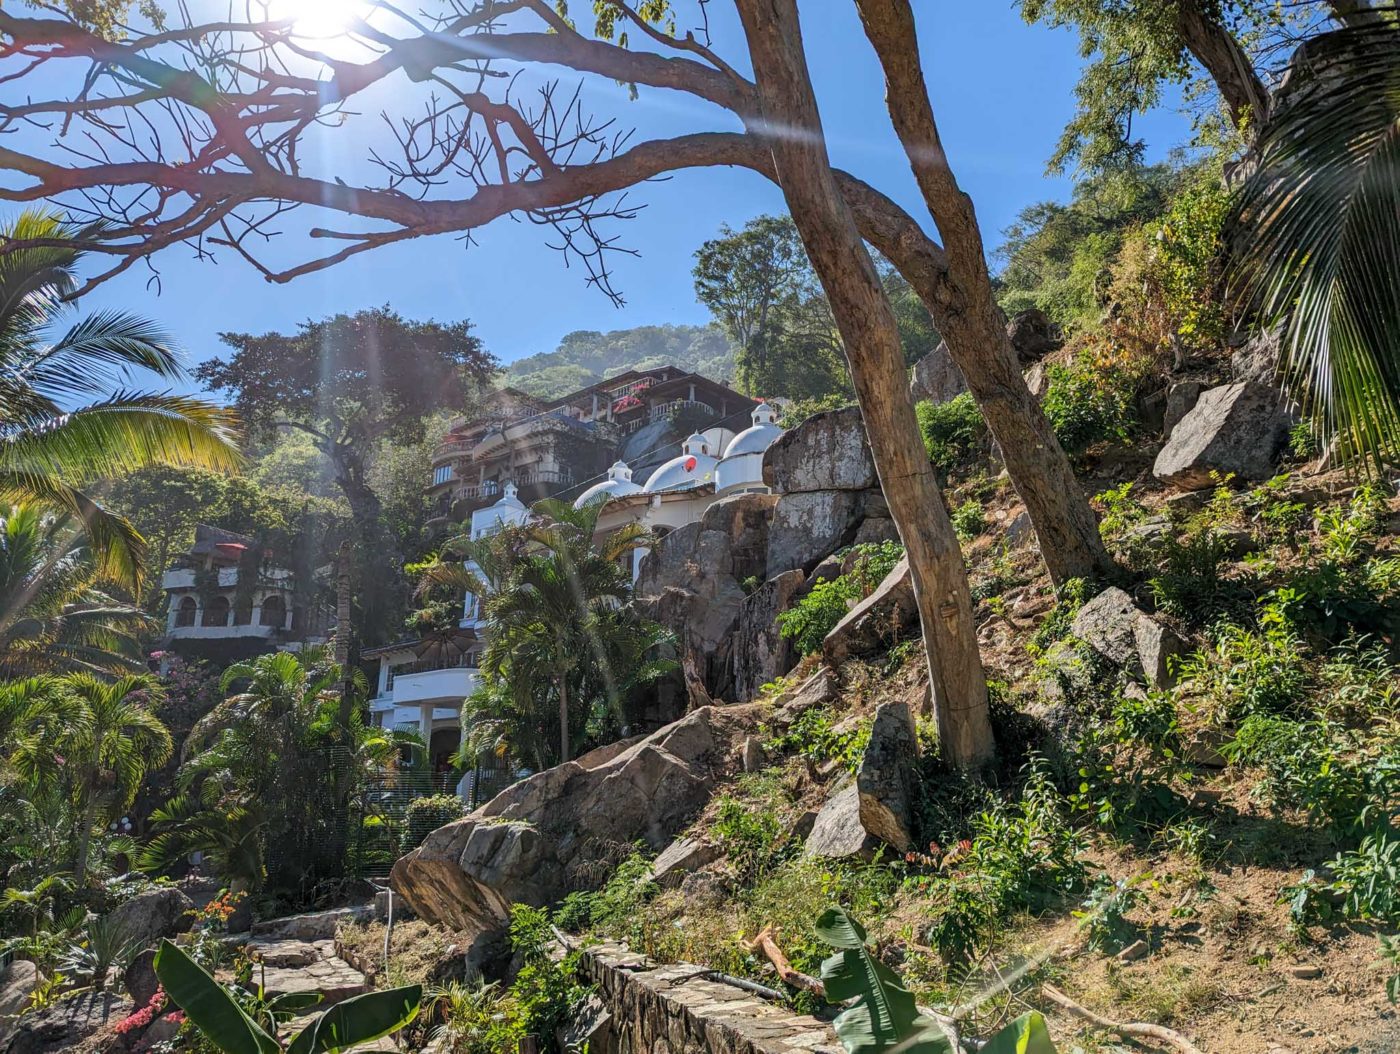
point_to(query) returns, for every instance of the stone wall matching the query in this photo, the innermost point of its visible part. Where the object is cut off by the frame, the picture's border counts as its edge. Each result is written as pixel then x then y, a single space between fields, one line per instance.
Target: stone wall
pixel 655 1009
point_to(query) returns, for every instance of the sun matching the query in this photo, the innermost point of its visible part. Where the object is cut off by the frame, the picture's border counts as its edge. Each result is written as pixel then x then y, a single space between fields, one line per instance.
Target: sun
pixel 318 18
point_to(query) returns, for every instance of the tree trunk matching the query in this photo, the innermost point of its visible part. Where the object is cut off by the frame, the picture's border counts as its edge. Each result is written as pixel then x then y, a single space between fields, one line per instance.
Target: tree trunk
pixel 80 864
pixel 342 629
pixel 972 323
pixel 1217 49
pixel 563 718
pixel 792 126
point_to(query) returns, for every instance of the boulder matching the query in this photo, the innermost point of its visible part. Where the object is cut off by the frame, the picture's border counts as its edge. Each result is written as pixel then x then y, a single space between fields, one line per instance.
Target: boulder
pixel 1181 400
pixel 139 978
pixel 1257 359
pixel 1033 335
pixel 1234 429
pixel 759 650
pixel 875 529
pixel 817 690
pixel 828 451
pixel 744 519
pixel 66 1024
pixel 887 776
pixel 156 913
pixel 311 926
pixel 1117 629
pixel 810 525
pixel 875 621
pixel 936 377
pixel 542 837
pixel 17 983
pixel 680 858
pixel 837 833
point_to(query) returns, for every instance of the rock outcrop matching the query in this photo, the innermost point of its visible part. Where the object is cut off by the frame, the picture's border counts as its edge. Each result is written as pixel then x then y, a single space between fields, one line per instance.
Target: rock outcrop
pixel 1235 429
pixel 887 776
pixel 810 524
pixel 149 916
pixel 875 621
pixel 760 652
pixel 1116 628
pixel 838 833
pixel 828 451
pixel 543 837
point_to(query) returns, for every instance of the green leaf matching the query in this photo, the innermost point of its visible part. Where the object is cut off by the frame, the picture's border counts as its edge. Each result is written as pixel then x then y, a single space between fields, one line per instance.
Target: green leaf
pixel 885 1016
pixel 204 1001
pixel 359 1020
pixel 292 1002
pixel 1028 1034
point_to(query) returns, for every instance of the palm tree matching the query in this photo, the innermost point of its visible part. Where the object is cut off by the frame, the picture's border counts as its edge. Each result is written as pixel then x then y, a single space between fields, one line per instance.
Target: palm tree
pixel 554 596
pixel 1315 236
pixel 49 451
pixel 54 615
pixel 116 741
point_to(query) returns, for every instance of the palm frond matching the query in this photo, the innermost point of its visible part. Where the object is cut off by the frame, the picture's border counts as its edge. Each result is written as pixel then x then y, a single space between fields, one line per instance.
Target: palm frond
pixel 82 361
pixel 1315 238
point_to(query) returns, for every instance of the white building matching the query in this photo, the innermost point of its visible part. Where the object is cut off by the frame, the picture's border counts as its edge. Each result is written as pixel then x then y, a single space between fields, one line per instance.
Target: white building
pixel 228 600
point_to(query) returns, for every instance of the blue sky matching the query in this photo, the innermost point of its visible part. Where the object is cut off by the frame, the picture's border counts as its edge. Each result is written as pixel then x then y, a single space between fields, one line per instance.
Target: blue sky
pixel 1002 92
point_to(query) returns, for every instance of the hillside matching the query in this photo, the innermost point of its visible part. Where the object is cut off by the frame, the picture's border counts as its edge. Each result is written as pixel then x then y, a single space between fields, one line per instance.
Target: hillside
pixel 586 355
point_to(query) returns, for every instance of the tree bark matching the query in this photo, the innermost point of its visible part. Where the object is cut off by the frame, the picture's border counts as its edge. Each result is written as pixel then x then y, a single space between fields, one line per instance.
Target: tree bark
pixel 563 718
pixel 972 323
pixel 1217 49
pixel 792 127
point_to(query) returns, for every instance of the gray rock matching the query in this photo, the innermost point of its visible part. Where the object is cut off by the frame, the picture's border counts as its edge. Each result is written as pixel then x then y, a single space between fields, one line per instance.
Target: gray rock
pixel 744 519
pixel 828 451
pixel 66 1024
pixel 817 690
pixel 751 754
pixel 1033 335
pixel 760 652
pixel 1235 429
pixel 311 926
pixel 17 983
pixel 1115 627
pixel 887 776
pixel 680 858
pixel 810 525
pixel 1181 400
pixel 875 529
pixel 837 833
pixel 936 377
pixel 875 621
pixel 1257 359
pixel 1152 409
pixel 156 913
pixel 540 838
pixel 139 979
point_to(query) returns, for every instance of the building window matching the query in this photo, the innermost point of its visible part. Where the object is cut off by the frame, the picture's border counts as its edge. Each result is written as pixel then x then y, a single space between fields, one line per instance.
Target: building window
pixel 185 613
pixel 216 612
pixel 441 474
pixel 274 611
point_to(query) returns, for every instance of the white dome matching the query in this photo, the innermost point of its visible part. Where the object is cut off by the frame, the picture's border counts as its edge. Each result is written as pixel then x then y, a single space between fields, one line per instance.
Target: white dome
pixel 759 436
pixel 695 466
pixel 618 485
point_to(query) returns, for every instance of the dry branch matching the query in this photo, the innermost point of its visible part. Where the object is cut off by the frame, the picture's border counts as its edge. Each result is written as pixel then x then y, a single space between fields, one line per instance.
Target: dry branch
pixel 1130 1030
pixel 766 942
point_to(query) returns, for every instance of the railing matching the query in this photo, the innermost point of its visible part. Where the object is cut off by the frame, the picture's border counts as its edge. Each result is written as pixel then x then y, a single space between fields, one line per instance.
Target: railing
pixel 675 406
pixel 449 447
pixel 465 662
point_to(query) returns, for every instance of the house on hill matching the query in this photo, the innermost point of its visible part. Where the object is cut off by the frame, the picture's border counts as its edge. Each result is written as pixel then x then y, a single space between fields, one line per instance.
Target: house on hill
pixel 228 599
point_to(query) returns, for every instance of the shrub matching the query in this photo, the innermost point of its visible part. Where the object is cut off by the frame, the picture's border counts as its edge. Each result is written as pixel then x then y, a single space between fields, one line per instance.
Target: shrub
pixel 1251 671
pixel 808 622
pixel 1103 915
pixel 1189 584
pixel 748 836
pixel 814 736
pixel 969 520
pixel 425 815
pixel 952 431
pixel 1090 401
pixel 1057 622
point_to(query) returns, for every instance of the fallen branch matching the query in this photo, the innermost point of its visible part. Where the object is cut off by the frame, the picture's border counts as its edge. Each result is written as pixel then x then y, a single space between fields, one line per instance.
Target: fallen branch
pixel 1133 1030
pixel 765 943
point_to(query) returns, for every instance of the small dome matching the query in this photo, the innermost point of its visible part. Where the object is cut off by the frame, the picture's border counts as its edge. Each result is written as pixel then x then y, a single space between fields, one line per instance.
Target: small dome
pixel 618 485
pixel 759 436
pixel 694 467
pixel 508 498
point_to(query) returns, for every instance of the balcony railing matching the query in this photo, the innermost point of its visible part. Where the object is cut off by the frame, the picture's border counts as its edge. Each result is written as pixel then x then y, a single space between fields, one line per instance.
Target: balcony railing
pixel 676 406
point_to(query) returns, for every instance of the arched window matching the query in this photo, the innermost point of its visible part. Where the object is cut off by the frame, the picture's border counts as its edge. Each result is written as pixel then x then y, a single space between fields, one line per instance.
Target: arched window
pixel 185 613
pixel 216 612
pixel 274 611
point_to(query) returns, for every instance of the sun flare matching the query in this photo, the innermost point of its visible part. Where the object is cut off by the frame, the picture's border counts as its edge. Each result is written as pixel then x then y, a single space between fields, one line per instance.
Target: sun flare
pixel 318 18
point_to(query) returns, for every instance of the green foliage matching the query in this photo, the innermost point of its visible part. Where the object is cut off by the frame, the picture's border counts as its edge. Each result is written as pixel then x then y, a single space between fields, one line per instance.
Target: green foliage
pixel 425 815
pixel 798 410
pixel 748 834
pixel 1103 915
pixel 546 992
pixel 585 357
pixel 969 520
pixel 815 736
pixel 808 621
pixel 220 1018
pixel 1091 401
pixel 1250 671
pixel 883 1014
pixel 1185 260
pixel 1057 622
pixel 952 431
pixel 1390 955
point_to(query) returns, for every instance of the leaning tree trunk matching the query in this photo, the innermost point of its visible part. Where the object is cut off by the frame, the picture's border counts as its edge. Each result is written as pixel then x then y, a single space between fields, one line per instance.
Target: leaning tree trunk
pixel 971 322
pixel 792 126
pixel 563 718
pixel 1219 51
